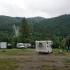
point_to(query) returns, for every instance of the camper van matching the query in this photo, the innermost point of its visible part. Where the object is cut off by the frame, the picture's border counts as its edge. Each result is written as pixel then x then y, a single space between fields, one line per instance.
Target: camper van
pixel 44 46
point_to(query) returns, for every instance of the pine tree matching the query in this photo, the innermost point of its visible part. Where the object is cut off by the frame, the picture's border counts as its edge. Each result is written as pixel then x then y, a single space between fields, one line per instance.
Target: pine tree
pixel 24 30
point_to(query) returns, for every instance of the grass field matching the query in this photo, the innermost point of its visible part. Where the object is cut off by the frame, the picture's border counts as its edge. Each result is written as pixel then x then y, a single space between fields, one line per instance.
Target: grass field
pixel 28 59
pixel 19 52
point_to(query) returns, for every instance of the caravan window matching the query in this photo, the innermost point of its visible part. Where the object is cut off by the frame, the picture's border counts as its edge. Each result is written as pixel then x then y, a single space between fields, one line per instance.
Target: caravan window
pixel 40 44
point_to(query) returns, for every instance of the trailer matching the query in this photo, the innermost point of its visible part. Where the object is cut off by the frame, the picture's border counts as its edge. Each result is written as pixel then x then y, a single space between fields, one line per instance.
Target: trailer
pixel 20 45
pixel 44 46
pixel 3 45
pixel 27 45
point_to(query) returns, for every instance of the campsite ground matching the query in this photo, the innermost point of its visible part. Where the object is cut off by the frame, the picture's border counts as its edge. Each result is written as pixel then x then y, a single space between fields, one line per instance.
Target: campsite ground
pixel 29 59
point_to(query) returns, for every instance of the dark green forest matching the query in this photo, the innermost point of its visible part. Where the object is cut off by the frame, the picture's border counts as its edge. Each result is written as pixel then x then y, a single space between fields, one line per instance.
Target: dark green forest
pixel 55 29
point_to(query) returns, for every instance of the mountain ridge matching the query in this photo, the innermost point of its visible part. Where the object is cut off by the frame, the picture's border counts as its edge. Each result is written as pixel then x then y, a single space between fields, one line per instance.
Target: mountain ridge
pixel 58 25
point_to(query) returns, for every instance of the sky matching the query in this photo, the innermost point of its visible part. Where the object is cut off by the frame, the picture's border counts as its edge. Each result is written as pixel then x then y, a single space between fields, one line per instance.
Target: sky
pixel 34 8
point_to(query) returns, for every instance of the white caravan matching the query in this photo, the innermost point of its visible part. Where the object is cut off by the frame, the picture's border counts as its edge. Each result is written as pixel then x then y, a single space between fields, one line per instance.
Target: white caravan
pixel 44 46
pixel 3 45
pixel 27 45
pixel 20 45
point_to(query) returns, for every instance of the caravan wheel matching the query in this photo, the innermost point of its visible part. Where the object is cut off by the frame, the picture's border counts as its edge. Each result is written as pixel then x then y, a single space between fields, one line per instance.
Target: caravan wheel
pixel 40 52
pixel 48 52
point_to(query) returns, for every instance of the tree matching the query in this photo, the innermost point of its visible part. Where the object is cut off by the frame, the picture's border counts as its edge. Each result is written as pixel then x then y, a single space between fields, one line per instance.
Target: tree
pixel 42 36
pixel 24 30
pixel 56 41
pixel 68 41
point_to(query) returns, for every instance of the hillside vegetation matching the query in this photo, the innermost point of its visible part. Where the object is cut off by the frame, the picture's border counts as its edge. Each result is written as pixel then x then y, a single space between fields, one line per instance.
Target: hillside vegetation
pixel 53 27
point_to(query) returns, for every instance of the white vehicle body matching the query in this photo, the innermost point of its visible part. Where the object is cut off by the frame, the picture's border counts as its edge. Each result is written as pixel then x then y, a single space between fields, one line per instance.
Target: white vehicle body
pixel 27 45
pixel 20 45
pixel 3 45
pixel 44 46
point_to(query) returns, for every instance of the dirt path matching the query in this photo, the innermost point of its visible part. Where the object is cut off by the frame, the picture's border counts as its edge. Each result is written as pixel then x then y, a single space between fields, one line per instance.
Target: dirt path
pixel 36 60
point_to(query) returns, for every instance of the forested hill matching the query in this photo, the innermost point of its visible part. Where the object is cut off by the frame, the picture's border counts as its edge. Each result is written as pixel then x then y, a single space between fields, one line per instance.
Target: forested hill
pixel 8 19
pixel 35 19
pixel 7 22
pixel 58 25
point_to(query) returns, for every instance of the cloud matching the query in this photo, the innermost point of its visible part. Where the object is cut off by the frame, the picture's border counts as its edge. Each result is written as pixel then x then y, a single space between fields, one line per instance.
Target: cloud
pixel 50 8
pixel 32 8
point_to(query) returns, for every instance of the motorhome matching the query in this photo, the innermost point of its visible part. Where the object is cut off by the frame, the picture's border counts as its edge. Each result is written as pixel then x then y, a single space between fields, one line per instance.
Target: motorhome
pixel 44 46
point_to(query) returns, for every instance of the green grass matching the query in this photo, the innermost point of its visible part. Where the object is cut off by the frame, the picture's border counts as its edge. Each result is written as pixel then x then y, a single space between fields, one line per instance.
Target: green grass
pixel 66 61
pixel 17 52
pixel 12 63
pixel 25 52
pixel 60 54
pixel 8 64
pixel 57 52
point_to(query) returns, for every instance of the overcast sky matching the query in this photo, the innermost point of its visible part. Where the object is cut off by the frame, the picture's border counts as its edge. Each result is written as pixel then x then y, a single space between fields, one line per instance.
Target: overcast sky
pixel 33 8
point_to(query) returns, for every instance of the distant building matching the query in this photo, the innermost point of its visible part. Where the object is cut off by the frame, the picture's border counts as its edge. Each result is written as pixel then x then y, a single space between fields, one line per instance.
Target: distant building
pixel 16 32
